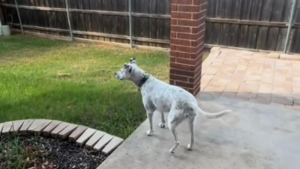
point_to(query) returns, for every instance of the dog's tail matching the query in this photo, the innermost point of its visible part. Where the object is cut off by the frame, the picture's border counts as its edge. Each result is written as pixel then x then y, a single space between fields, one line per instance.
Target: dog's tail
pixel 217 114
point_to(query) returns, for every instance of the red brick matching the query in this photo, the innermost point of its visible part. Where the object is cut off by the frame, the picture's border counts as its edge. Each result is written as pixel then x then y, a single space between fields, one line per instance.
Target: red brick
pixel 174 7
pixel 199 15
pixel 179 78
pixel 183 29
pixel 187 49
pixel 199 53
pixel 172 59
pixel 180 15
pixel 173 35
pixel 188 61
pixel 185 84
pixel 199 2
pixel 203 6
pixel 180 54
pixel 192 23
pixel 198 42
pixel 181 66
pixel 174 22
pixel 172 82
pixel 189 8
pixel 182 2
pixel 195 80
pixel 181 42
pixel 173 47
pixel 190 36
pixel 198 29
pixel 181 72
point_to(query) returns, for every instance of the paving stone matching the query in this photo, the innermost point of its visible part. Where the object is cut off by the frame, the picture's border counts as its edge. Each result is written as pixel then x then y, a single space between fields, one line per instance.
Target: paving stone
pixel 59 128
pixel 67 131
pixel 6 127
pixel 85 136
pixel 77 133
pixel 102 142
pixel 283 101
pixel 112 145
pixel 41 126
pixel 47 131
pixel 247 95
pixel 93 140
pixel 274 55
pixel 289 57
pixel 1 126
pixel 26 125
pixel 17 125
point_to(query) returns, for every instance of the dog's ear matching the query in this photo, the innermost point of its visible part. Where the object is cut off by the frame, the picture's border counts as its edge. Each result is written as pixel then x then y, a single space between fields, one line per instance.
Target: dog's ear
pixel 132 60
pixel 128 67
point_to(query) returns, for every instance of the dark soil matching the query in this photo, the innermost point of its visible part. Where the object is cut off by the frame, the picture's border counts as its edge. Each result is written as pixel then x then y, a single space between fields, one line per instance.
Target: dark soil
pixel 35 152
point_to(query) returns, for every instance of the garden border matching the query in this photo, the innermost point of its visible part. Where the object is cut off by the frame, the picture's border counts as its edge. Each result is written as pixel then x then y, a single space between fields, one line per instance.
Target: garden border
pixel 82 135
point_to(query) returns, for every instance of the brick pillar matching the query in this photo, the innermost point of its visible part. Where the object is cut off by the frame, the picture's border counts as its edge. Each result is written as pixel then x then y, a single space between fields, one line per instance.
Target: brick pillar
pixel 187 42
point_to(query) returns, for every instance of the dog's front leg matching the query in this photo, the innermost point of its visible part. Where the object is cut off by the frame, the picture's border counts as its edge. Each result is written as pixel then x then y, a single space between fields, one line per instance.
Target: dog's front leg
pixel 150 117
pixel 150 108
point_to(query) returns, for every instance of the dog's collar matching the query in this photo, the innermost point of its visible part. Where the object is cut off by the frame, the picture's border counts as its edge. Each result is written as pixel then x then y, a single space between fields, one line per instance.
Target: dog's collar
pixel 143 81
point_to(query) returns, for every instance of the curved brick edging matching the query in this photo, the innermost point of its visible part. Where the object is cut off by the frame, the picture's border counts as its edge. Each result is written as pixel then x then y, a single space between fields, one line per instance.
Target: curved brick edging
pixel 82 135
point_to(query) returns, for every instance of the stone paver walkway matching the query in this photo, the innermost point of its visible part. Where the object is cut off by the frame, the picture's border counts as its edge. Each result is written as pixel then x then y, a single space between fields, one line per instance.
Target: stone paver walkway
pixel 254 76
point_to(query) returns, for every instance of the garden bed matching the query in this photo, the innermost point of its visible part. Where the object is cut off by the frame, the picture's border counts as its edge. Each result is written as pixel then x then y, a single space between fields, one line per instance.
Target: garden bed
pixel 36 152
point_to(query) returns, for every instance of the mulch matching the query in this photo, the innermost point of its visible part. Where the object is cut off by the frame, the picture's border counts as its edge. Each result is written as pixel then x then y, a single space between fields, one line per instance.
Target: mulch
pixel 48 153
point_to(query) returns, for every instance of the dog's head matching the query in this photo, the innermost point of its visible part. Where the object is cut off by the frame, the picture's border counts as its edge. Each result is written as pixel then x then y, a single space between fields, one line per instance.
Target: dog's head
pixel 129 71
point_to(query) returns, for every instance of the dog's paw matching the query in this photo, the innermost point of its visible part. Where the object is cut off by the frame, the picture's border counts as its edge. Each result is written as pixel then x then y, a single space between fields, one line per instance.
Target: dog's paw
pixel 189 147
pixel 161 125
pixel 174 147
pixel 149 133
pixel 171 150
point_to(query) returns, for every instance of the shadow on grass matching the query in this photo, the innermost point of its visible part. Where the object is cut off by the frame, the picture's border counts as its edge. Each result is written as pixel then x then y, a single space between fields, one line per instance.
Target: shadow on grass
pixel 113 110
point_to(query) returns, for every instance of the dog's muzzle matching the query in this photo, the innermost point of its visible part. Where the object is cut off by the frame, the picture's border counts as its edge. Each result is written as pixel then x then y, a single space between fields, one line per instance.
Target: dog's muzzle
pixel 117 75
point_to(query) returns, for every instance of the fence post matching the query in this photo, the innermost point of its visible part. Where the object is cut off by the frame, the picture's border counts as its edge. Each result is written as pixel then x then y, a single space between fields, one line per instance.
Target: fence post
pixel 287 39
pixel 69 22
pixel 130 22
pixel 1 14
pixel 18 12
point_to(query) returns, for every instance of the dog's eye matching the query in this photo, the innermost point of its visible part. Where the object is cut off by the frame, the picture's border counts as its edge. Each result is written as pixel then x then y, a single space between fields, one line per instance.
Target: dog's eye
pixel 130 70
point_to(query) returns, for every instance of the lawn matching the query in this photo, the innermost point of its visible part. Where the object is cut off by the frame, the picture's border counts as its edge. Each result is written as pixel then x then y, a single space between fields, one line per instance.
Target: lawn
pixel 31 85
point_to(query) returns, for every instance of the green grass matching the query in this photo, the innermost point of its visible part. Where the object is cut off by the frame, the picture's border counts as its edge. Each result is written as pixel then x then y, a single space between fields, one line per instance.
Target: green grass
pixel 12 155
pixel 30 86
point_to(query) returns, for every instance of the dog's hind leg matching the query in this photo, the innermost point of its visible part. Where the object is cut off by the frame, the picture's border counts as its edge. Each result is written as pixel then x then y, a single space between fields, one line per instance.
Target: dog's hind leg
pixel 163 121
pixel 173 122
pixel 191 119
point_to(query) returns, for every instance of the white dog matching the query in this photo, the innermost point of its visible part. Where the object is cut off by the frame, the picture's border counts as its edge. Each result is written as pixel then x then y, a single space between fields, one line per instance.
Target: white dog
pixel 162 97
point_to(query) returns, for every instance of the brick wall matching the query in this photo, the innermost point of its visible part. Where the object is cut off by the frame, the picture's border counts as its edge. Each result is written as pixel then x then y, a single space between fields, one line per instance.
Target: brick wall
pixel 187 40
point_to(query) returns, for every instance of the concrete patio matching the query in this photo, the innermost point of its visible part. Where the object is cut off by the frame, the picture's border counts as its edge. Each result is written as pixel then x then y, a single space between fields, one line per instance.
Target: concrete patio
pixel 253 136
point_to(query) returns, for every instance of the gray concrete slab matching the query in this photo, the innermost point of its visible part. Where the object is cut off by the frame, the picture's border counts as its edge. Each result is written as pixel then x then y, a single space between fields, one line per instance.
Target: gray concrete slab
pixel 252 136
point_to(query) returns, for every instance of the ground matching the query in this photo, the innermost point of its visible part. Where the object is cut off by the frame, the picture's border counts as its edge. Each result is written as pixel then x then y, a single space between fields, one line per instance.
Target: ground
pixel 73 82
pixel 26 151
pixel 261 132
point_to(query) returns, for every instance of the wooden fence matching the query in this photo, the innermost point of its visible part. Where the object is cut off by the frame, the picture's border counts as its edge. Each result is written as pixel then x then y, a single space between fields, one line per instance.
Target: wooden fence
pixel 145 22
pixel 255 24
